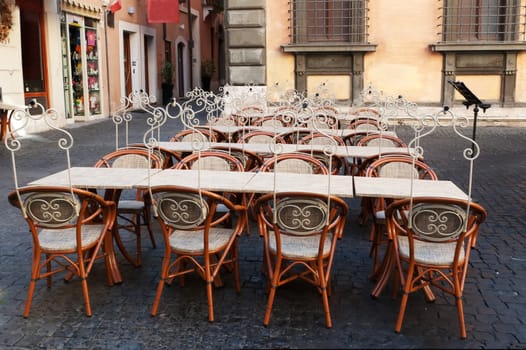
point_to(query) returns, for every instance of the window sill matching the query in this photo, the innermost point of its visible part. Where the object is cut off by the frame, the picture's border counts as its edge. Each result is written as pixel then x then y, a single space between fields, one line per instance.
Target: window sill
pixel 490 46
pixel 328 47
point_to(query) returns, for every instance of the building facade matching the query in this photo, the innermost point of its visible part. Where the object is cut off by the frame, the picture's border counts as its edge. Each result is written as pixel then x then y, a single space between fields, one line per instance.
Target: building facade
pixel 80 58
pixel 411 48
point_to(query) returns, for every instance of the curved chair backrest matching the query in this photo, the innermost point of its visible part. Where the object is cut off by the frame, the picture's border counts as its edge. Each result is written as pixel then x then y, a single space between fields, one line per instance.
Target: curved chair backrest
pixel 300 163
pixel 381 140
pixel 168 157
pixel 366 162
pixel 319 219
pixel 276 121
pixel 251 161
pixel 400 167
pixel 321 139
pixel 210 160
pixel 203 135
pixel 58 207
pixel 260 137
pixel 322 121
pixel 218 135
pixel 367 111
pixel 223 121
pixel 338 165
pixel 197 206
pixel 352 139
pixel 246 115
pixel 130 158
pixel 367 124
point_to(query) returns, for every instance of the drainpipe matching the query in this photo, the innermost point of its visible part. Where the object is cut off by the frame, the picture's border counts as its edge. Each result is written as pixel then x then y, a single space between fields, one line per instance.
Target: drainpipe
pixel 106 10
pixel 190 45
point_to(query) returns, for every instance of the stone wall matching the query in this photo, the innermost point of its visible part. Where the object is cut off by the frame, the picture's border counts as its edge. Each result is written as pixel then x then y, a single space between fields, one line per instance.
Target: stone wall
pixel 245 40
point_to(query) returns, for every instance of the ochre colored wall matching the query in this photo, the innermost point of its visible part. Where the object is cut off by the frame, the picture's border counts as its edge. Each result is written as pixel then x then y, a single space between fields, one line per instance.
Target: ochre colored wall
pixel 280 66
pixel 403 62
pixel 520 90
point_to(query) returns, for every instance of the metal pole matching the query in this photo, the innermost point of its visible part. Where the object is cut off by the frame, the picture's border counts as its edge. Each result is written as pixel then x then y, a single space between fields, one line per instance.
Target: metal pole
pixel 190 44
pixel 475 115
pixel 107 60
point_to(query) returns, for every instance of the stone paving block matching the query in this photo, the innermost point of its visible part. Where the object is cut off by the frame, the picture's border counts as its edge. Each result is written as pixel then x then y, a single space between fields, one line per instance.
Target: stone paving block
pixel 495 296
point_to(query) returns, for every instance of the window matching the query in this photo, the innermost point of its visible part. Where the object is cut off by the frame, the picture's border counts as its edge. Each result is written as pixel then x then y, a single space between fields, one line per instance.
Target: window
pixel 316 21
pixel 482 20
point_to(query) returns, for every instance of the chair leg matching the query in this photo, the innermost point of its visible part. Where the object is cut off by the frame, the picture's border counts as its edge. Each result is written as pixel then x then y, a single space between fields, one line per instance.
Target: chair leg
pixel 274 283
pixel 378 237
pixel 48 269
pixel 270 302
pixel 85 293
pixel 147 223
pixel 209 296
pixel 157 299
pixel 326 308
pixel 138 241
pixel 30 293
pixel 363 216
pixel 429 295
pixel 236 268
pixel 401 313
pixel 460 310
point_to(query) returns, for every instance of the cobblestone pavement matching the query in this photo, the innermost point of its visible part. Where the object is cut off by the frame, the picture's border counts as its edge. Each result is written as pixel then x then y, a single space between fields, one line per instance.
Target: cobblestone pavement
pixel 495 293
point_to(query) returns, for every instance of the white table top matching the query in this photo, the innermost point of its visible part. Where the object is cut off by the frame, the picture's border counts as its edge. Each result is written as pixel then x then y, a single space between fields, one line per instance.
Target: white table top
pixel 99 178
pixel 227 129
pixel 220 181
pixel 262 148
pixel 248 182
pixel 340 185
pixel 8 106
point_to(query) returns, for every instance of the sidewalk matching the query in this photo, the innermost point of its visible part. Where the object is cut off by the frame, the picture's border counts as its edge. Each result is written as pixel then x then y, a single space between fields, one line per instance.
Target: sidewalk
pixel 495 294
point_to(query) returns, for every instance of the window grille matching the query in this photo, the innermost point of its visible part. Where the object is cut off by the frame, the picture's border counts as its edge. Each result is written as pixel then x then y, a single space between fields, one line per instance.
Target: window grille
pixel 483 20
pixel 315 21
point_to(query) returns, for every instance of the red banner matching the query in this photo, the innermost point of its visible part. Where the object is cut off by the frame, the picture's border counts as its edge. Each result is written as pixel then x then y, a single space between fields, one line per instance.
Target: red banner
pixel 163 11
pixel 115 6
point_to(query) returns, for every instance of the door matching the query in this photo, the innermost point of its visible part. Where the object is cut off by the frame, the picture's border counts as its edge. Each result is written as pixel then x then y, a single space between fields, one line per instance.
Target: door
pixel 180 69
pixel 127 64
pixel 146 66
pixel 33 42
pixel 83 57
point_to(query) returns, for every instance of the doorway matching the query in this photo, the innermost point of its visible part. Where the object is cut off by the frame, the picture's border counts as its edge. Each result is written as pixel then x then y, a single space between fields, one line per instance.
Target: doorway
pixel 127 63
pixel 33 41
pixel 180 69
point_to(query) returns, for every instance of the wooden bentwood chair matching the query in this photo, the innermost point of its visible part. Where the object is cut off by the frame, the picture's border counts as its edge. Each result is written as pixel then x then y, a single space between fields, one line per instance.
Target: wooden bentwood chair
pixel 132 211
pixel 220 161
pixel 432 244
pixel 68 227
pixel 194 235
pixel 251 161
pixel 300 231
pixel 295 162
pixel 393 166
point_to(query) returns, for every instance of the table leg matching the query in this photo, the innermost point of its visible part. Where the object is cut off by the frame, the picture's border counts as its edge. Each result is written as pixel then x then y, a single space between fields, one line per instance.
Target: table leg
pixel 109 249
pixel 4 115
pixel 111 261
pixel 384 271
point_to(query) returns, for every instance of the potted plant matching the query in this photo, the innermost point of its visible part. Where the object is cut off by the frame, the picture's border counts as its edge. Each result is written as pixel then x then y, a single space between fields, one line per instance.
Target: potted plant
pixel 208 69
pixel 6 19
pixel 167 72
